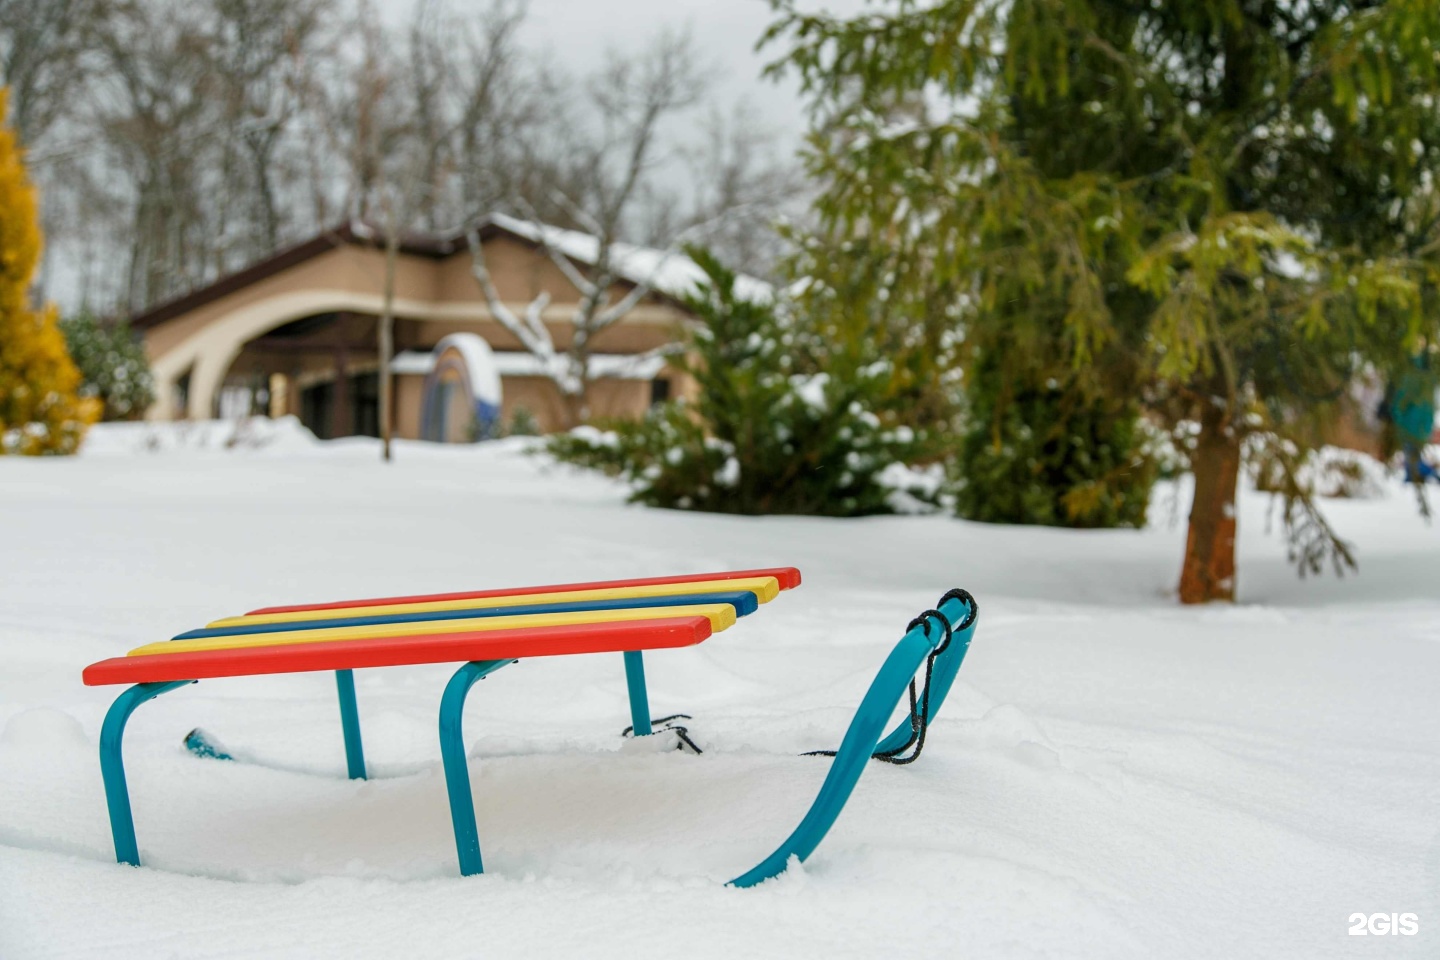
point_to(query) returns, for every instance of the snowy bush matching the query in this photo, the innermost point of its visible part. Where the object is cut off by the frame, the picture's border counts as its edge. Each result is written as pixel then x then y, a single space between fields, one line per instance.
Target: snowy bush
pixel 1168 449
pixel 112 363
pixel 1324 472
pixel 785 421
pixel 522 424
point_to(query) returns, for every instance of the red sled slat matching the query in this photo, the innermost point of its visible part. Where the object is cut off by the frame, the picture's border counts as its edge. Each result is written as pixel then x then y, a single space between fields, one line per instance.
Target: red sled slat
pixel 382 652
pixel 788 578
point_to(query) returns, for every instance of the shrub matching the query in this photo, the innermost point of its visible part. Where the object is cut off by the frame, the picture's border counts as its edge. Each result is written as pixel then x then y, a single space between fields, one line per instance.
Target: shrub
pixel 523 424
pixel 785 420
pixel 41 411
pixel 113 366
pixel 1048 455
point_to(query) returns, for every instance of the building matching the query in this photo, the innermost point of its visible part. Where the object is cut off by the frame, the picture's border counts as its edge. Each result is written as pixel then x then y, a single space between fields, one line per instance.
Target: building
pixel 296 333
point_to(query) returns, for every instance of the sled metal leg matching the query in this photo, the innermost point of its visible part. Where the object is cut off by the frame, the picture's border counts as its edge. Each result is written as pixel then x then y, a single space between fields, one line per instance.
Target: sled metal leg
pixel 350 722
pixel 457 767
pixel 112 764
pixel 850 760
pixel 198 742
pixel 863 736
pixel 639 698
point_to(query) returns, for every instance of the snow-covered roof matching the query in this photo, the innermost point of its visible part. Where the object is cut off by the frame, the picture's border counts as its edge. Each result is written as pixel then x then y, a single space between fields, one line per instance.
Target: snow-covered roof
pixel 669 272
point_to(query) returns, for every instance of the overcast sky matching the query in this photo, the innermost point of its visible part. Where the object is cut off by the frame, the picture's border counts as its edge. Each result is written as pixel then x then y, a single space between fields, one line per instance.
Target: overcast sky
pixel 575 34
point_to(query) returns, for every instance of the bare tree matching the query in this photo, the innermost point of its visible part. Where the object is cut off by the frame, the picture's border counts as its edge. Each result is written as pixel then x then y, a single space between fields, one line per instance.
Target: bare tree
pixel 42 54
pixel 403 171
pixel 46 58
pixel 499 104
pixel 366 119
pixel 428 83
pixel 176 146
pixel 264 53
pixel 365 113
pixel 612 151
pixel 157 113
pixel 739 187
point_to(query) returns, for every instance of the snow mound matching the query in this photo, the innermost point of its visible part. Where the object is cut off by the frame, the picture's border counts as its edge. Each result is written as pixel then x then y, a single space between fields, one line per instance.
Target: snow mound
pixel 44 728
pixel 198 436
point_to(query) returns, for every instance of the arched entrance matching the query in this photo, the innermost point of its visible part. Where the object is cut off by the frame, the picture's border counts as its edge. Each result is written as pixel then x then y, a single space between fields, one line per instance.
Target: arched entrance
pixel 322 368
pixel 462 392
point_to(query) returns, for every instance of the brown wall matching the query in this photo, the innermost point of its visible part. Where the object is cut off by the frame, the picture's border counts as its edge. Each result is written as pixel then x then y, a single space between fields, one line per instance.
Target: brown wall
pixel 409 404
pixel 608 398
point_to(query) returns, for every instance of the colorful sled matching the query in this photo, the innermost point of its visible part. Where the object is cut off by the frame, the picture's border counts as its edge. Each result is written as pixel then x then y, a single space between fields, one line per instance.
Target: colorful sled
pixel 489 629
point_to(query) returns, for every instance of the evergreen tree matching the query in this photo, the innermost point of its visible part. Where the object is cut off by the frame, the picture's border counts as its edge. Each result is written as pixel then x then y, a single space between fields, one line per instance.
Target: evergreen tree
pixel 40 409
pixel 1050 455
pixel 786 420
pixel 112 363
pixel 1221 208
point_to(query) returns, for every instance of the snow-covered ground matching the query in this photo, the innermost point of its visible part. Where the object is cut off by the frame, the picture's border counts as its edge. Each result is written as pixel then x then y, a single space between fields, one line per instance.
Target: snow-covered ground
pixel 1113 777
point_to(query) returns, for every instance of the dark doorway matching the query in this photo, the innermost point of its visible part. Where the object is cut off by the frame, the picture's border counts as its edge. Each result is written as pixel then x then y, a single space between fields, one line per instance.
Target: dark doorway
pixel 365 404
pixel 317 409
pixel 362 396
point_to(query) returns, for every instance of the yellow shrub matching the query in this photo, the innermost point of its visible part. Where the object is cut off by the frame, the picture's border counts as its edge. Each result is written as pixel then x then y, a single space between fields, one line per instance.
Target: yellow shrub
pixel 40 409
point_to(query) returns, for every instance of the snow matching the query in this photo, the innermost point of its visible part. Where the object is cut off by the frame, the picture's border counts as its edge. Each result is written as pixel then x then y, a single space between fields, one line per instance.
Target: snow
pixel 914 489
pixel 1114 776
pixel 513 363
pixel 811 390
pixel 669 272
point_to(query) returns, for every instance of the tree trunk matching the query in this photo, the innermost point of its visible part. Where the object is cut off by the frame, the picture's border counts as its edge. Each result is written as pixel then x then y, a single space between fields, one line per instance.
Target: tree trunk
pixel 1209 570
pixel 265 190
pixel 386 339
pixel 576 409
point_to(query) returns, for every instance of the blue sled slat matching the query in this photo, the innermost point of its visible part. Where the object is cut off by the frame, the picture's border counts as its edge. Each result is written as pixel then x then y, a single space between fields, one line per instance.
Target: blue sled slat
pixel 743 601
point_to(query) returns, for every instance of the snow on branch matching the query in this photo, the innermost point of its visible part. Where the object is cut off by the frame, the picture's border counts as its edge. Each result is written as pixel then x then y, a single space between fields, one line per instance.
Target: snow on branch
pixel 529 328
pixel 564 264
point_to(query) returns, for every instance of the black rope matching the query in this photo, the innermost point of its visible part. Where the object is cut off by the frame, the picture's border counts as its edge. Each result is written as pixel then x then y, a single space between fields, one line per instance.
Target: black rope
pixel 972 608
pixel 919 702
pixel 668 724
pixel 920 706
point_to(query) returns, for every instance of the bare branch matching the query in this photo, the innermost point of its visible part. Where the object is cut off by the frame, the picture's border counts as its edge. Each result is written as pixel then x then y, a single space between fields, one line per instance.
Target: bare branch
pixel 563 263
pixel 529 331
pixel 581 215
pixel 632 299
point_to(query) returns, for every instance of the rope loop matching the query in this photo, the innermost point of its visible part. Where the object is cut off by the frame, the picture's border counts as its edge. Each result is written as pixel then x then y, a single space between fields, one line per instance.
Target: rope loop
pixel 964 595
pixel 920 702
pixel 924 620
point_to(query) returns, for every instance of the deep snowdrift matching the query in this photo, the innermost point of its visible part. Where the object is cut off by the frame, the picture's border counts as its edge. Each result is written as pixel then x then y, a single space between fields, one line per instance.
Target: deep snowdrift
pixel 1113 777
